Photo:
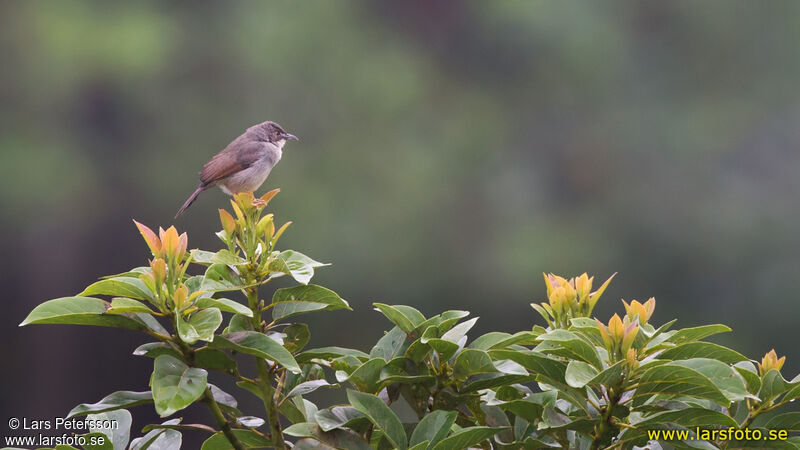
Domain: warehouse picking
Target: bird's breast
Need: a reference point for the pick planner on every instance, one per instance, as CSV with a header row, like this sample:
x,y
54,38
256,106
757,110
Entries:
x,y
251,178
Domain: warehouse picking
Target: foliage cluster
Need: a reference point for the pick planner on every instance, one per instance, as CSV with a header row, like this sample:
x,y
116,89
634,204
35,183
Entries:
x,y
576,383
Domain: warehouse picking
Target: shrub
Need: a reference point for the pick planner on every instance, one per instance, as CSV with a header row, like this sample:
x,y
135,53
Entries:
x,y
578,383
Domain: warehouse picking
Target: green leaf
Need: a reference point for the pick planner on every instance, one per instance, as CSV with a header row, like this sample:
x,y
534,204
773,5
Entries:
x,y
703,350
577,346
450,318
257,344
79,311
249,438
380,415
417,351
405,317
221,257
445,349
467,437
213,359
531,407
488,340
119,287
689,417
793,393
434,427
297,409
510,367
579,373
225,401
200,326
220,277
793,443
749,372
297,337
154,349
458,332
149,322
307,387
338,417
303,429
497,340
175,385
159,439
554,419
610,376
288,302
391,345
325,353
401,370
772,385
471,362
250,421
365,377
301,267
542,312
443,321
696,333
787,421
535,362
725,378
188,426
224,304
493,380
319,439
121,305
497,418
118,435
96,441
238,322
117,400
675,379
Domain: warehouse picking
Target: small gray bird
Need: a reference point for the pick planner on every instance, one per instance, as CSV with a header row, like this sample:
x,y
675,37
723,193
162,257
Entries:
x,y
245,163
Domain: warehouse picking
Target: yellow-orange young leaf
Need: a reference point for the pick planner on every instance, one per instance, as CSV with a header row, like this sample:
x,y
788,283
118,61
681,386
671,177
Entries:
x,y
159,268
268,196
150,238
583,285
771,361
170,242
227,221
280,231
604,334
615,328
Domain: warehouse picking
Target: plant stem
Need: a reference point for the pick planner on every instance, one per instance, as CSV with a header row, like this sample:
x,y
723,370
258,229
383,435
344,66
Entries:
x,y
267,395
606,427
264,380
220,418
208,398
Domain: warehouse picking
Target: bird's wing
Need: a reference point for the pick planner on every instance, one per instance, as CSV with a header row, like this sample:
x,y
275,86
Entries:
x,y
236,157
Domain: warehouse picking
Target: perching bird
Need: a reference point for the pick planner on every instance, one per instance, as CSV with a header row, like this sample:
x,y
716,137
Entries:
x,y
245,163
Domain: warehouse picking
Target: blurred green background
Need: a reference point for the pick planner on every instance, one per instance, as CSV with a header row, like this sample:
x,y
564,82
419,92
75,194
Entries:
x,y
450,153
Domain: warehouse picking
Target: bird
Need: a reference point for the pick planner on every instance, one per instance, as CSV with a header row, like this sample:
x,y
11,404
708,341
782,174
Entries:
x,y
245,163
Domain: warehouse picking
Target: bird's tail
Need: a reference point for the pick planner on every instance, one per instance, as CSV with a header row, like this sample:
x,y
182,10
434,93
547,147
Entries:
x,y
190,200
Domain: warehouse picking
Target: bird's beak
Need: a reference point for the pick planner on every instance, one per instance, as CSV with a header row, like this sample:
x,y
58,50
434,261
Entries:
x,y
288,136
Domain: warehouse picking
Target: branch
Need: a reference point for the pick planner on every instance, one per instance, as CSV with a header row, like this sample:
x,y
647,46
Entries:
x,y
220,418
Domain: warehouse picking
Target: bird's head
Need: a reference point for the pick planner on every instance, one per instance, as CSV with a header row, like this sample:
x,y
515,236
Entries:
x,y
271,132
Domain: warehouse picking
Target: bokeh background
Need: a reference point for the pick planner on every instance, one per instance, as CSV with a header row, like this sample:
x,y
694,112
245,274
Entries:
x,y
450,153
